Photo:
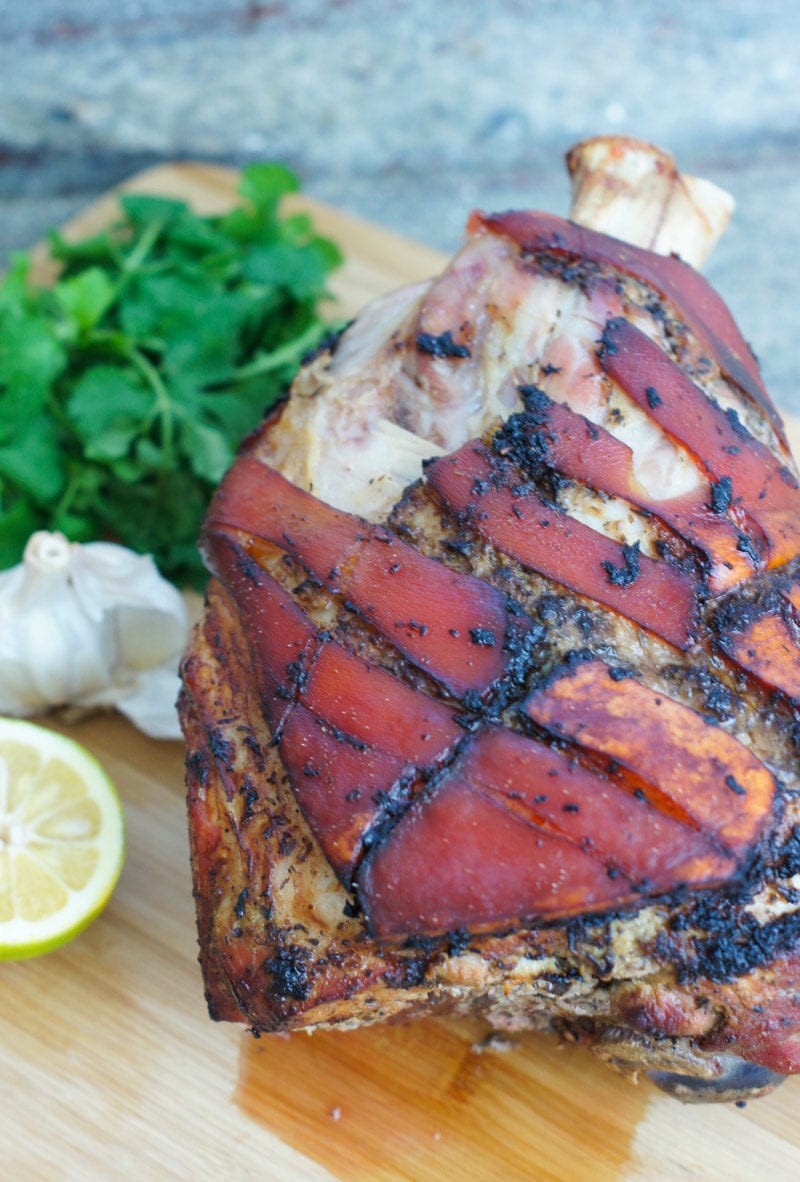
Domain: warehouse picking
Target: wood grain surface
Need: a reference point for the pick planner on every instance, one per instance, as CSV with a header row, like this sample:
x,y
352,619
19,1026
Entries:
x,y
111,1069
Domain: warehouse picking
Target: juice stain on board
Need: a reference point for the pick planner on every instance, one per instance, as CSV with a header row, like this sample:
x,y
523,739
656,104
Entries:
x,y
419,1102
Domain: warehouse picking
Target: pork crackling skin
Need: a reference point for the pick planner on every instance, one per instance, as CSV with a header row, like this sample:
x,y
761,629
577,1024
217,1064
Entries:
x,y
493,705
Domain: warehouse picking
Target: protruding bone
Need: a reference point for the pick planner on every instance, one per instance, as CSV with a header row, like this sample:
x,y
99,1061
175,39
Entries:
x,y
632,190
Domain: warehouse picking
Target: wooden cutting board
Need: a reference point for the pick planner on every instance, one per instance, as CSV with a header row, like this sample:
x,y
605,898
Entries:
x,y
111,1068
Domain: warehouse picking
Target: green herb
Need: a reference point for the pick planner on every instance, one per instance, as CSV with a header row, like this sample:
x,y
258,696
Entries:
x,y
126,387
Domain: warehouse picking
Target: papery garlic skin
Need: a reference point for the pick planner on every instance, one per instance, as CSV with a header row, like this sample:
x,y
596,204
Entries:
x,y
87,625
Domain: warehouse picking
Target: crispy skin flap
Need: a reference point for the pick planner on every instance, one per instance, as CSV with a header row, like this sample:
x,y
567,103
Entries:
x,y
692,296
694,770
500,505
569,443
360,744
451,625
517,831
746,474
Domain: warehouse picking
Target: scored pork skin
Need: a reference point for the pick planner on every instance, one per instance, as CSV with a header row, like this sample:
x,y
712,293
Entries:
x,y
571,591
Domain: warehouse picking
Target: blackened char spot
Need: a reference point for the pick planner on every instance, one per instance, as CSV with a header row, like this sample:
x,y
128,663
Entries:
x,y
790,854
197,766
736,423
327,343
249,567
525,439
721,494
286,843
623,576
408,974
482,636
745,545
440,345
222,749
536,402
289,969
608,344
249,793
457,941
787,476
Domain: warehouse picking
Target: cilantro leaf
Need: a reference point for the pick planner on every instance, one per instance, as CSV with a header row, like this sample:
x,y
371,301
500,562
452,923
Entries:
x,y
206,448
32,460
107,407
85,297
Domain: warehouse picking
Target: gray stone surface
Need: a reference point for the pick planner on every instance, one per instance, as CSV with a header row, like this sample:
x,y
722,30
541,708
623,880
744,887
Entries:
x,y
411,113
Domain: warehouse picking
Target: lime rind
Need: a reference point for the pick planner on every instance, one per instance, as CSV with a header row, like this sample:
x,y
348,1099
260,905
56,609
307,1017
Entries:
x,y
28,935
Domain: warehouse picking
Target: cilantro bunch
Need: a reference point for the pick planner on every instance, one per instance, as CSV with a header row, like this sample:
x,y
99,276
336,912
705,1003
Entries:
x,y
126,386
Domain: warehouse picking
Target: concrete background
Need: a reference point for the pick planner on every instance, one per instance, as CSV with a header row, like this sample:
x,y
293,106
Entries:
x,y
411,113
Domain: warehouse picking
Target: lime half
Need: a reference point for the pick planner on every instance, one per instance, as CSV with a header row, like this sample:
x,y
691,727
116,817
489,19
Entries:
x,y
62,839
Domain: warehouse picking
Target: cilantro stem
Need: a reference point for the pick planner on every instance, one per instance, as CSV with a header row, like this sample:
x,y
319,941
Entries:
x,y
67,497
133,261
164,405
164,409
130,263
284,355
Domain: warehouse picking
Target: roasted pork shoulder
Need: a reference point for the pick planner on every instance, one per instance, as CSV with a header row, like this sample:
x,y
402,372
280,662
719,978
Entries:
x,y
493,705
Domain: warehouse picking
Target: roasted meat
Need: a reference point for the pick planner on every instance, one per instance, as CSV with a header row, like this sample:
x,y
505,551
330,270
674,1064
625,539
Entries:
x,y
493,704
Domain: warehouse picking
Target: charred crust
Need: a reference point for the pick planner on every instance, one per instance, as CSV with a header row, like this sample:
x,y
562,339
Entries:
x,y
197,767
721,494
584,272
409,973
746,545
733,943
623,576
736,423
289,970
440,345
735,786
221,748
249,793
764,595
457,941
249,567
720,703
537,403
483,637
328,343
789,855
718,937
741,1081
524,441
608,341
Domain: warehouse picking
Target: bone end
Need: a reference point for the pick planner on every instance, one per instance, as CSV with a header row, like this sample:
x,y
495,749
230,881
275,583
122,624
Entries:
x,y
633,190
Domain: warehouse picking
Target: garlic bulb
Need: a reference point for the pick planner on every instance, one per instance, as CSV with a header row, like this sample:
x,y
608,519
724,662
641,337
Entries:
x,y
90,625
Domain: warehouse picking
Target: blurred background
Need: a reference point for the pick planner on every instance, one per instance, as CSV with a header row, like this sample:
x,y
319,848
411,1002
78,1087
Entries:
x,y
412,113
